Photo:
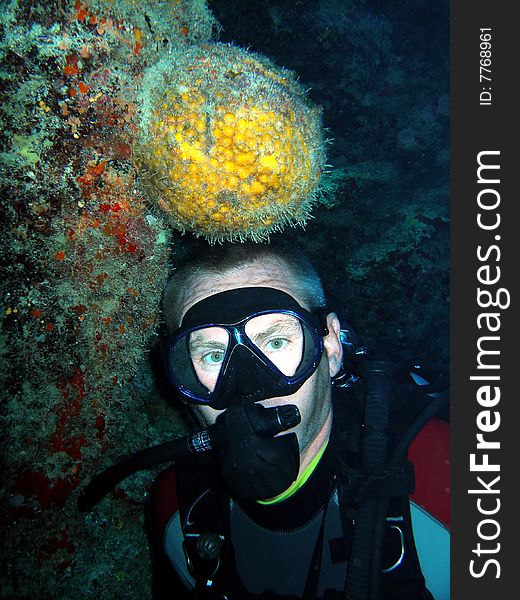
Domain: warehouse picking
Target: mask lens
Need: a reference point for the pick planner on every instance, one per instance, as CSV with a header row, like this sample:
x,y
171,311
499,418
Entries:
x,y
198,357
207,349
280,338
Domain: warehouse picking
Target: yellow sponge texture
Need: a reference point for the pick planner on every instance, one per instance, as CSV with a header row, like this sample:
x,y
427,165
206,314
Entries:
x,y
229,147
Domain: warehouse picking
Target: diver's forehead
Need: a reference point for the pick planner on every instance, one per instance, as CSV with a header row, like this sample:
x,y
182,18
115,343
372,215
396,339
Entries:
x,y
271,275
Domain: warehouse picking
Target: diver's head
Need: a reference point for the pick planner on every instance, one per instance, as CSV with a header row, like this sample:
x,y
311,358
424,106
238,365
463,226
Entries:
x,y
217,262
260,306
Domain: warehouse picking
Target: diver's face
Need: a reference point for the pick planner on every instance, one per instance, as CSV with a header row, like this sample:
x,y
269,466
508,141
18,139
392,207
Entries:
x,y
313,399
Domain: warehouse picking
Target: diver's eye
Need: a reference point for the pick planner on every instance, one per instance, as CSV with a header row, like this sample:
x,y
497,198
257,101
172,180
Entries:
x,y
213,358
276,345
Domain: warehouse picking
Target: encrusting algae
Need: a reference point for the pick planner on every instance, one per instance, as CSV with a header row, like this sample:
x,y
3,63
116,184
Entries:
x,y
230,147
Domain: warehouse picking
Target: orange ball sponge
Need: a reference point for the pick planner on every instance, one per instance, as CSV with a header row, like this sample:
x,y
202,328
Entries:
x,y
230,147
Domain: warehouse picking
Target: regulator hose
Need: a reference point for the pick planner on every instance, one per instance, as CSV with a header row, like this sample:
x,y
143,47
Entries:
x,y
266,422
380,380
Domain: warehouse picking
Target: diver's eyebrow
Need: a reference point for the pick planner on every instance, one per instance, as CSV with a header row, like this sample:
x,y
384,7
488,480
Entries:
x,y
278,328
200,341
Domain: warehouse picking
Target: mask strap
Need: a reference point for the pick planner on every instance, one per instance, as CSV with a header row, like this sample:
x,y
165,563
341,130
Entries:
x,y
321,315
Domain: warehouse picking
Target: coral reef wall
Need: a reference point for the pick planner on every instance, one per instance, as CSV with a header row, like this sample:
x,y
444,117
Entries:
x,y
84,261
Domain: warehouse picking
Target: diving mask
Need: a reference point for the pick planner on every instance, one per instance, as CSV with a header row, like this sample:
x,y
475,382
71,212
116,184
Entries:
x,y
244,345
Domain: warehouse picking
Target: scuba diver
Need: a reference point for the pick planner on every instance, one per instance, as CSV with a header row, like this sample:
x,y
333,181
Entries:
x,y
298,485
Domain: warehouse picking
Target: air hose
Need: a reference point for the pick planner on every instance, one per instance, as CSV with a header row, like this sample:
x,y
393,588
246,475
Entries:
x,y
266,422
379,376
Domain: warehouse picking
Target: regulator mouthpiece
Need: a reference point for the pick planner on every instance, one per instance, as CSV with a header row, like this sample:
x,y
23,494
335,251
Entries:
x,y
265,422
256,465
